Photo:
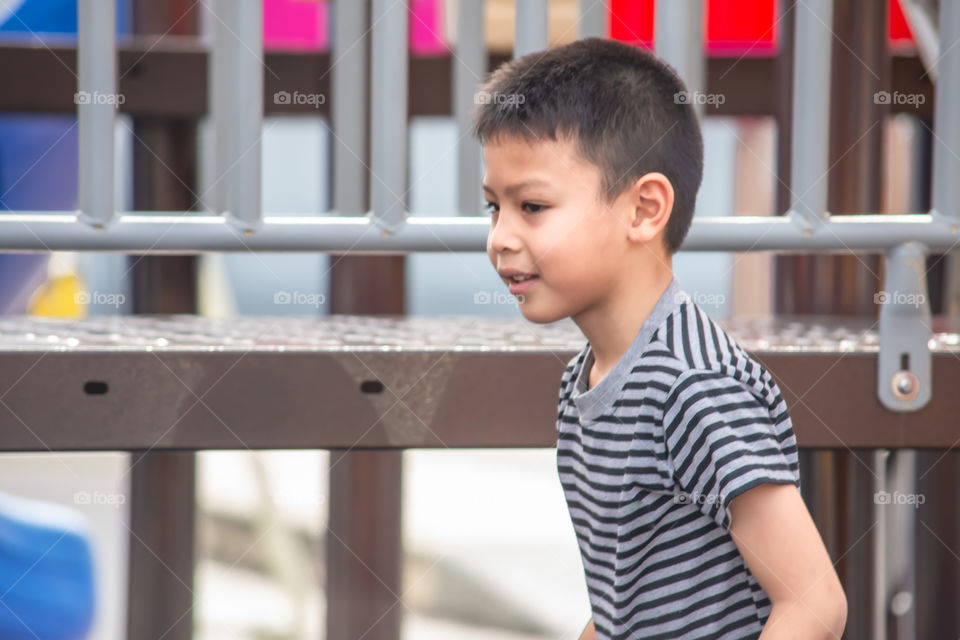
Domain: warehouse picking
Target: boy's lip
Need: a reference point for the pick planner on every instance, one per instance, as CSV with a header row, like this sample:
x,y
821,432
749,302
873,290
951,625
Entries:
x,y
512,273
507,275
519,288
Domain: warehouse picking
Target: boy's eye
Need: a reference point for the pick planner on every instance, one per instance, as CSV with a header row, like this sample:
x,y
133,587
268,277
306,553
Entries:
x,y
534,208
529,207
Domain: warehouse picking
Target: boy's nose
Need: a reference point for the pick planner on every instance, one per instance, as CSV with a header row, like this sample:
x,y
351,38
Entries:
x,y
503,235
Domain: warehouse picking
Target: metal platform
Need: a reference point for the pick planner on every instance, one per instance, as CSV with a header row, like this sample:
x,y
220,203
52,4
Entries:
x,y
187,382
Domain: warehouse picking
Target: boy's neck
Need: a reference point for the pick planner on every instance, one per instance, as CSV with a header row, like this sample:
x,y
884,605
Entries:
x,y
612,327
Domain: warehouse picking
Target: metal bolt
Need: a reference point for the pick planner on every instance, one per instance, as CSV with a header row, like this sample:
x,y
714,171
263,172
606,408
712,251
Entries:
x,y
901,603
905,385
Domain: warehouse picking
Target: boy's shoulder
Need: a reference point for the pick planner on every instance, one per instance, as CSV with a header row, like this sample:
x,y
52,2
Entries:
x,y
687,344
703,353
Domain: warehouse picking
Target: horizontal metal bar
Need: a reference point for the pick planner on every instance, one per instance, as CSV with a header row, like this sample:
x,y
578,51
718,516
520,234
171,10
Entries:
x,y
179,232
149,372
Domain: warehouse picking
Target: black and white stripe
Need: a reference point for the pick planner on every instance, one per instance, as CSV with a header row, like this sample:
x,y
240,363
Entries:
x,y
649,461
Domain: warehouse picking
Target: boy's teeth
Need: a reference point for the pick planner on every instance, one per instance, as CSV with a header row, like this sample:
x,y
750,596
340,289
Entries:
x,y
521,278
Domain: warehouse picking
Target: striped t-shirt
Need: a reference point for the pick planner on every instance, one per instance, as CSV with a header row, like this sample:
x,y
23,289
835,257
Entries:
x,y
649,460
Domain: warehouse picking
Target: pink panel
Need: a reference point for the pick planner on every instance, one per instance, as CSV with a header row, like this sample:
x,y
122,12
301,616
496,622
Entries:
x,y
295,24
427,28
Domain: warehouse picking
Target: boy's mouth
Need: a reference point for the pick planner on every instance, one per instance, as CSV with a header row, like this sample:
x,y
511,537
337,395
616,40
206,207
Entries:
x,y
522,284
513,275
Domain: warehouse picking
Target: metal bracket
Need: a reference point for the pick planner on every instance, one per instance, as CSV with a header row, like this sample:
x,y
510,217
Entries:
x,y
903,366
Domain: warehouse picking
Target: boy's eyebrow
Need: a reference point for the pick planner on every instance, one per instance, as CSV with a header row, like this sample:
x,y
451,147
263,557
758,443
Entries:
x,y
520,185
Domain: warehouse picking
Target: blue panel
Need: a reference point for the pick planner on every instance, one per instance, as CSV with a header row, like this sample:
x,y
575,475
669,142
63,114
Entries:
x,y
51,16
38,162
39,16
46,572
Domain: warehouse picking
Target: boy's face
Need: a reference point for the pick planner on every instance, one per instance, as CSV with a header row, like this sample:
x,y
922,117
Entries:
x,y
548,218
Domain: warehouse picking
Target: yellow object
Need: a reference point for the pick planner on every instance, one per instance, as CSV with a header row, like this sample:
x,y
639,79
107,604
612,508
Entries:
x,y
59,297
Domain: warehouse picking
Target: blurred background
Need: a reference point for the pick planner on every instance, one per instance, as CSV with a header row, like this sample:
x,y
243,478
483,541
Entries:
x,y
488,550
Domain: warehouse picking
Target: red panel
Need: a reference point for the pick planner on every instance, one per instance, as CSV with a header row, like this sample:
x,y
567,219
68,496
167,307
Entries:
x,y
631,21
741,27
733,27
900,35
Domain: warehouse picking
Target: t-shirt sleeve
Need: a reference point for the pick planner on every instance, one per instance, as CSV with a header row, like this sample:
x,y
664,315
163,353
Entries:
x,y
722,440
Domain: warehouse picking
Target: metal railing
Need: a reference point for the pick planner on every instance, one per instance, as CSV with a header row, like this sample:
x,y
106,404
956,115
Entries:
x,y
233,220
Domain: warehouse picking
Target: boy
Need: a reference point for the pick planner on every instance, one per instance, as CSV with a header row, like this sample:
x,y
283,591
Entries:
x,y
675,451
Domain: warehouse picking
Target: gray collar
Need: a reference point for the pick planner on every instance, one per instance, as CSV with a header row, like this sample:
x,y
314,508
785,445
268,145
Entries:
x,y
595,402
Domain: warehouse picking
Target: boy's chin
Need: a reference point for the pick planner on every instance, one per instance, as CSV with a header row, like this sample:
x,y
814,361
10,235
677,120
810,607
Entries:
x,y
539,316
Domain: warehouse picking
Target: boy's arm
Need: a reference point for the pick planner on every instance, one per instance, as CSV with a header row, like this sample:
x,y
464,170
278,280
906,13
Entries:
x,y
775,534
589,633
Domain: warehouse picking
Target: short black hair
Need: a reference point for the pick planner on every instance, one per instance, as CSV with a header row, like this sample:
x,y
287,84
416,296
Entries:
x,y
626,110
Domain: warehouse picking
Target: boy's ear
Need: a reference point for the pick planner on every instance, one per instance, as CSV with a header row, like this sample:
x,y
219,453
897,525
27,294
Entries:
x,y
651,200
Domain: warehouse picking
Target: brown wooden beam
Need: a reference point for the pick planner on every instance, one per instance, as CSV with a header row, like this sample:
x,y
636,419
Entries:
x,y
169,80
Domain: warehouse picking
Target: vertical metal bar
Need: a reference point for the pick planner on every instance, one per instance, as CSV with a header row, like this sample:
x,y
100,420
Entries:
x,y
936,612
160,596
842,81
470,66
805,284
904,364
679,41
901,557
388,93
348,110
881,513
946,142
364,572
530,26
946,188
593,19
246,89
96,99
859,71
787,284
823,284
811,112
365,540
222,112
857,539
